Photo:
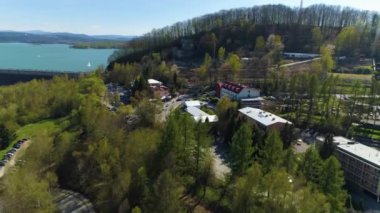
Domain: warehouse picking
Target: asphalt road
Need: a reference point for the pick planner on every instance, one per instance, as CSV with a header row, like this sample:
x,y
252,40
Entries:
x,y
299,62
169,107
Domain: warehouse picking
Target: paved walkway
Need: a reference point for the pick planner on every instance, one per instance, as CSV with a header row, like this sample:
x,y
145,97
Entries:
x,y
300,62
168,107
221,167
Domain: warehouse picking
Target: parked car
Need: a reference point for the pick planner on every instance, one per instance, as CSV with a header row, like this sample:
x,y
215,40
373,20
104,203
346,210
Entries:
x,y
299,142
22,141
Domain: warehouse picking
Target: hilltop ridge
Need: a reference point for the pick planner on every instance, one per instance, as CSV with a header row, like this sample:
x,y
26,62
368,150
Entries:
x,y
238,28
42,37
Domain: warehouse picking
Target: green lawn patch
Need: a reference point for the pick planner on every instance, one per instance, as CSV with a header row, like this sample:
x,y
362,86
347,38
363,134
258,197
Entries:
x,y
371,133
349,76
29,131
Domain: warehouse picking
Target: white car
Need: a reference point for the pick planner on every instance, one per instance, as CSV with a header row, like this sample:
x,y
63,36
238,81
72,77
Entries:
x,y
299,142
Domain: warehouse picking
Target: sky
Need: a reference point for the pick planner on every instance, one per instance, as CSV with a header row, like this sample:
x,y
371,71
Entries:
x,y
127,17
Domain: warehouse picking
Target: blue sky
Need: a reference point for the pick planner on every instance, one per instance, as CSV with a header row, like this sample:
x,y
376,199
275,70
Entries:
x,y
126,17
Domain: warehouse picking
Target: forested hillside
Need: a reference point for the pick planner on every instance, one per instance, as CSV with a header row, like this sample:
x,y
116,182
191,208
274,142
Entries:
x,y
240,27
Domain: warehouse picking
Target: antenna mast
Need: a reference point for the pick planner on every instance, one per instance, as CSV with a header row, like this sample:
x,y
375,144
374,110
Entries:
x,y
300,13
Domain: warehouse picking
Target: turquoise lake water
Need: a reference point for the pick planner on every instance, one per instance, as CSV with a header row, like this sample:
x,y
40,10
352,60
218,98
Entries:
x,y
51,57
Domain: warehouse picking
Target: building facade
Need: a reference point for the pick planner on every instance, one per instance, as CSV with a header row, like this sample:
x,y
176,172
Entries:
x,y
154,83
201,116
236,91
361,166
252,102
304,56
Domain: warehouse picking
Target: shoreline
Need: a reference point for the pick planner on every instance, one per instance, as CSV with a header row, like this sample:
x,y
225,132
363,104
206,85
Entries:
x,y
41,72
9,76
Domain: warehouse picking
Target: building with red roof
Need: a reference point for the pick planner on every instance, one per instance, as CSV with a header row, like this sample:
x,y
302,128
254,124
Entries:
x,y
235,91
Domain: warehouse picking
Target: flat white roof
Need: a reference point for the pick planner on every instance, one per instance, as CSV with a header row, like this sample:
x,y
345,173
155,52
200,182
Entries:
x,y
302,54
153,81
367,153
199,115
342,140
192,103
337,140
253,99
263,117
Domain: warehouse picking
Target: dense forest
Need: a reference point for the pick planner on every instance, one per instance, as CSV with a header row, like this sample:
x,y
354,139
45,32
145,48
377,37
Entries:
x,y
238,27
78,144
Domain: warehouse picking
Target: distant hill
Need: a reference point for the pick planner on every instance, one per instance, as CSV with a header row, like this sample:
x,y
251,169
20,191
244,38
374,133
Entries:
x,y
237,30
42,37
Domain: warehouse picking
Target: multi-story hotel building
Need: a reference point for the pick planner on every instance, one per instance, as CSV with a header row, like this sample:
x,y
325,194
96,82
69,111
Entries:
x,y
361,166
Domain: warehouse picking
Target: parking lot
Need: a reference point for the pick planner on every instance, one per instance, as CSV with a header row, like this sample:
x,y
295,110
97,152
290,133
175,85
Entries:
x,y
10,157
169,107
300,146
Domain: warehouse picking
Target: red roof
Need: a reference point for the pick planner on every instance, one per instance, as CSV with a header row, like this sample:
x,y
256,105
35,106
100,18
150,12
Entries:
x,y
236,88
219,84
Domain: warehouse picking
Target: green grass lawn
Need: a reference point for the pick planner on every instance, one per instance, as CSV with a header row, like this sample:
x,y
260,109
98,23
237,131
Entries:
x,y
31,130
348,76
372,133
347,88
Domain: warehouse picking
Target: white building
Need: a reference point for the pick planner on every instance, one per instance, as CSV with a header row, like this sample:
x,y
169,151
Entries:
x,y
301,55
361,166
252,102
154,83
196,104
236,91
337,140
264,119
199,115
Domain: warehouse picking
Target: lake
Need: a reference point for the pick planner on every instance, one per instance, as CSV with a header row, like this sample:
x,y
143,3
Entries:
x,y
51,57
